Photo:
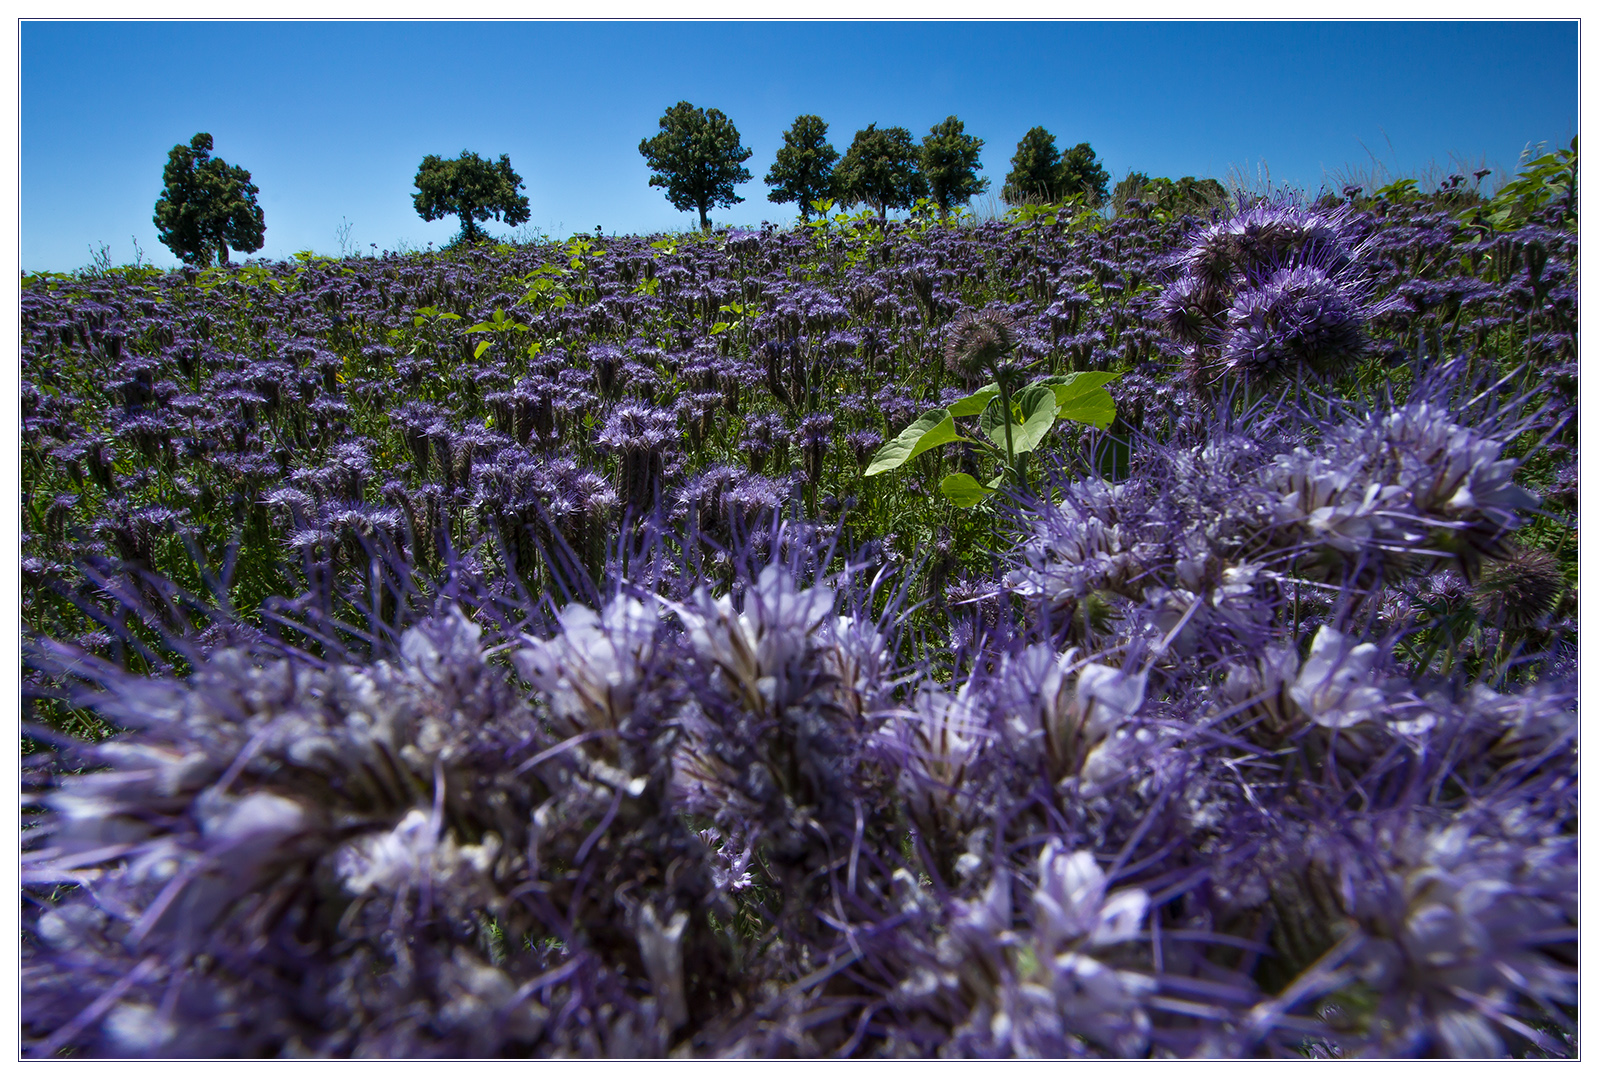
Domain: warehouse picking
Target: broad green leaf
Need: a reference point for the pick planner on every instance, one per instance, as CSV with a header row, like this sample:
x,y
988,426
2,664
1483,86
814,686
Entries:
x,y
1080,397
718,328
964,490
1037,405
974,403
482,347
1096,409
1032,413
932,428
450,315
481,328
991,424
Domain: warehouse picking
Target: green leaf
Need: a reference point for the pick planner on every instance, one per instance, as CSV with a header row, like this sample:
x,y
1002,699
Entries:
x,y
718,328
964,490
1096,409
932,428
1032,413
1037,406
481,328
1080,397
450,315
974,403
482,347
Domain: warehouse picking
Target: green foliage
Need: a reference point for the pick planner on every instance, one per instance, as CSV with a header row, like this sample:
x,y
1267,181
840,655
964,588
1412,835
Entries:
x,y
697,158
932,428
471,187
950,164
1545,181
882,169
1168,200
207,205
803,171
1072,211
965,491
1040,173
1082,174
1034,175
1014,425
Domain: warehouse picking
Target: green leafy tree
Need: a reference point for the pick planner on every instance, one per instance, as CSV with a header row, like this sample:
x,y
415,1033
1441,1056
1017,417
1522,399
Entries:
x,y
1082,174
882,169
950,164
697,158
471,187
207,205
803,172
1034,170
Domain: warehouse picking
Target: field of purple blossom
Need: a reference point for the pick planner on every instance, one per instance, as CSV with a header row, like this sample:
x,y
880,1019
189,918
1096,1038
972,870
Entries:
x,y
528,651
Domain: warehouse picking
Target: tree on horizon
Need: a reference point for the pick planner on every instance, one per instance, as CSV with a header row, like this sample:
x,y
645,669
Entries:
x,y
697,158
803,171
882,169
950,164
207,205
471,187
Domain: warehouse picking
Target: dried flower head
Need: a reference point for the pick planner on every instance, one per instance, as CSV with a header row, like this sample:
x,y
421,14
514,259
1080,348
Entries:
x,y
1517,592
978,340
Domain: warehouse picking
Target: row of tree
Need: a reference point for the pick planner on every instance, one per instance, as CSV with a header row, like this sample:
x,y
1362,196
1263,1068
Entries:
x,y
208,206
698,158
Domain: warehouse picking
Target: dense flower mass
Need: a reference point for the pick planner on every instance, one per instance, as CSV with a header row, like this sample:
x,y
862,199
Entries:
x,y
502,651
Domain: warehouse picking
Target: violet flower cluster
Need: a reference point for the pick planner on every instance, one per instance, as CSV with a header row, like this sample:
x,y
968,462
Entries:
x,y
552,698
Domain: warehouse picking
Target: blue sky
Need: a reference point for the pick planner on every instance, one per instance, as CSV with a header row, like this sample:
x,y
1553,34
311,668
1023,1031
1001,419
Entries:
x,y
333,118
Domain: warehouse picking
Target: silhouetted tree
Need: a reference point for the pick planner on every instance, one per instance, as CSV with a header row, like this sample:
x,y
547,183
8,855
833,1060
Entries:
x,y
207,205
471,187
803,172
950,164
882,169
697,159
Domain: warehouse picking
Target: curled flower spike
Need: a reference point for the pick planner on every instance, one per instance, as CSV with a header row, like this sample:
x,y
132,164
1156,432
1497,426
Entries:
x,y
592,670
1335,686
755,649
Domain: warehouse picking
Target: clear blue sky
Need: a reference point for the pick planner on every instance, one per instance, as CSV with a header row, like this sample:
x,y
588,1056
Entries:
x,y
332,118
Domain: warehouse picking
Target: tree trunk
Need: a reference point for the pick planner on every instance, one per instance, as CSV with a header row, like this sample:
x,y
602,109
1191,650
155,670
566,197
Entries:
x,y
222,253
705,219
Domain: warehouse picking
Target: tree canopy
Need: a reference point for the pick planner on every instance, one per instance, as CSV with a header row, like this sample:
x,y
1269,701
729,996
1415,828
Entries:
x,y
1034,170
207,205
471,187
803,172
1082,174
697,158
950,164
882,169
1041,173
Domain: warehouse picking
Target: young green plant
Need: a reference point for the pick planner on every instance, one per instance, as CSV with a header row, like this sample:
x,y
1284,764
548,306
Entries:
x,y
1013,419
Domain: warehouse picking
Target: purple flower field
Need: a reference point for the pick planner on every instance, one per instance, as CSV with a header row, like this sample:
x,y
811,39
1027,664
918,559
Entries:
x,y
514,651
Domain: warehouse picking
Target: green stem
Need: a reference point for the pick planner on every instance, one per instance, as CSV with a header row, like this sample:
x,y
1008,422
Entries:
x,y
1004,402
